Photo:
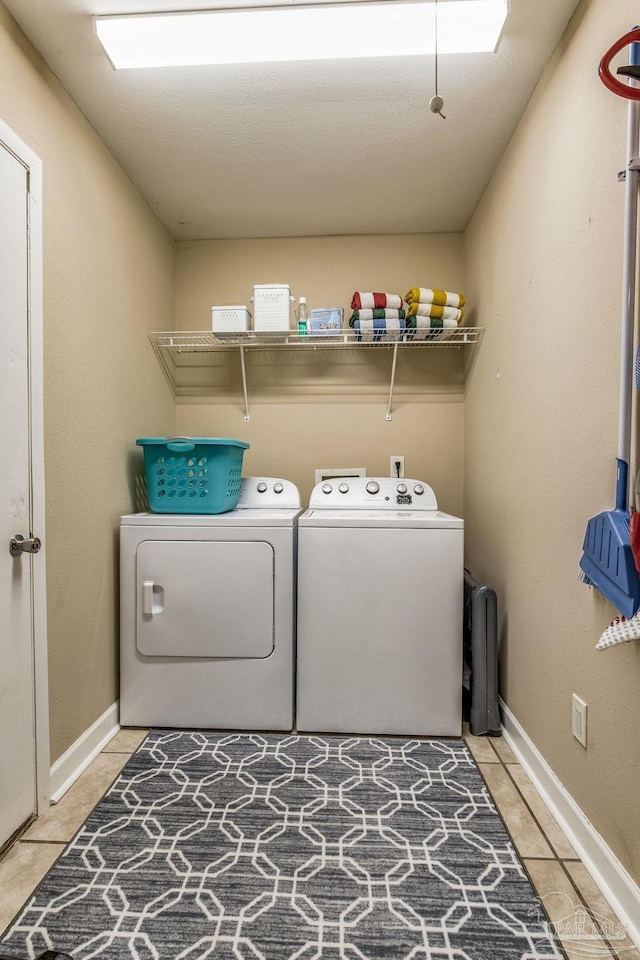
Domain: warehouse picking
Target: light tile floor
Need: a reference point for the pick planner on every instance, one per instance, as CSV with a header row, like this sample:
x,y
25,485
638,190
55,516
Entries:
x,y
560,879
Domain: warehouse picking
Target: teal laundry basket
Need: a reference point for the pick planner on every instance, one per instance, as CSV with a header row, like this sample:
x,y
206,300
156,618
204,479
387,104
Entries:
x,y
192,474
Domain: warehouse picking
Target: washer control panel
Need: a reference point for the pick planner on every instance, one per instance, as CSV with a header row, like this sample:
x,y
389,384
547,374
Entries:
x,y
370,493
268,492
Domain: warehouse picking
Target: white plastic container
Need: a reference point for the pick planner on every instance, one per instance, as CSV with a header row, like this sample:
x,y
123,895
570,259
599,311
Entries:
x,y
230,319
272,306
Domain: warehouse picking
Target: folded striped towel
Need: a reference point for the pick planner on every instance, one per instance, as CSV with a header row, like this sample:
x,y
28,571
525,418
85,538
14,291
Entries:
x,y
434,310
429,328
441,297
380,313
369,301
379,328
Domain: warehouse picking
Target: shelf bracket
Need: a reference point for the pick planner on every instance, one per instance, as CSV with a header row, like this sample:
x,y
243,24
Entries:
x,y
244,384
393,378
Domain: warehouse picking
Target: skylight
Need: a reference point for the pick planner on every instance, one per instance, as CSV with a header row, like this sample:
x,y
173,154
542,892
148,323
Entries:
x,y
318,31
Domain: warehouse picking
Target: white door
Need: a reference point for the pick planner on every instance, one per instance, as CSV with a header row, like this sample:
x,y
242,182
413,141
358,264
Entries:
x,y
19,795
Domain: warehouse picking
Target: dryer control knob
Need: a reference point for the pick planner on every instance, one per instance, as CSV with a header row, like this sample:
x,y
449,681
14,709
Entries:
x,y
401,488
326,488
418,489
278,487
373,486
262,487
344,488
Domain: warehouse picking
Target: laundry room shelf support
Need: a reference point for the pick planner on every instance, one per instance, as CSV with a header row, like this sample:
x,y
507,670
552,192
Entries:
x,y
244,384
393,378
187,358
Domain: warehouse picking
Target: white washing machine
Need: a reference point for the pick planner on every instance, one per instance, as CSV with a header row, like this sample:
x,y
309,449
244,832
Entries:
x,y
207,603
380,604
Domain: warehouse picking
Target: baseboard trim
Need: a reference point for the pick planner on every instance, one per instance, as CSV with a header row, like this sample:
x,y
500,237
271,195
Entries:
x,y
616,884
67,768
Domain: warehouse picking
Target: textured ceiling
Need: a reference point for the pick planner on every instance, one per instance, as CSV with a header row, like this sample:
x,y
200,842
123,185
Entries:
x,y
300,149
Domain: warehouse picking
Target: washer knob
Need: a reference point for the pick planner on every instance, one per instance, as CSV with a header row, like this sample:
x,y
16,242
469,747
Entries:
x,y
278,487
344,488
262,487
373,486
402,488
326,488
418,489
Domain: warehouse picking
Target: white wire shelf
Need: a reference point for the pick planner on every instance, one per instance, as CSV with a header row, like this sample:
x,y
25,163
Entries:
x,y
204,341
178,351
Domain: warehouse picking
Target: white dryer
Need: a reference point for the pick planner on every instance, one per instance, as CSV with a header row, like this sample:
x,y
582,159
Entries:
x,y
207,604
380,605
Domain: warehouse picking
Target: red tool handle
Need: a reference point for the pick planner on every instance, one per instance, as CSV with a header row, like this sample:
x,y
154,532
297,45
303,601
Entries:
x,y
612,83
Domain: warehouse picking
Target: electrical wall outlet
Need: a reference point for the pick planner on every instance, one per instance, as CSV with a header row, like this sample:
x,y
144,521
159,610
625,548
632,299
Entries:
x,y
396,466
579,719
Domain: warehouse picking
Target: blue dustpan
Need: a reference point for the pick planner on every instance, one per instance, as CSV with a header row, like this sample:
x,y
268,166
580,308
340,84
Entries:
x,y
607,561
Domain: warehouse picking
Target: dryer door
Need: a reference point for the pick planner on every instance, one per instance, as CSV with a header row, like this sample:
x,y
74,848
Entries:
x,y
201,598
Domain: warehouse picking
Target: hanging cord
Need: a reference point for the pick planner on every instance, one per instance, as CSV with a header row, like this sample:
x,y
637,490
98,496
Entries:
x,y
436,103
435,32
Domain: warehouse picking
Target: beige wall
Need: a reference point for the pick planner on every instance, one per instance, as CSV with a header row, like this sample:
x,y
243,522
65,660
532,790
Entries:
x,y
543,268
108,278
328,409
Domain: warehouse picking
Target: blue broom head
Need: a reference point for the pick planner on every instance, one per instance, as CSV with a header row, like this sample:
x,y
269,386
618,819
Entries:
x,y
607,561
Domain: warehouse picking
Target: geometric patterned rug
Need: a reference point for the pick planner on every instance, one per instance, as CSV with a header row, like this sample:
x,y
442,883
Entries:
x,y
282,847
